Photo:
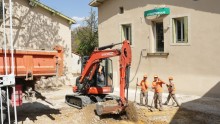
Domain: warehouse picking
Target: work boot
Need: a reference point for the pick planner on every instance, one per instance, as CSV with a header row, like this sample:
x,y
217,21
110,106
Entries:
x,y
161,109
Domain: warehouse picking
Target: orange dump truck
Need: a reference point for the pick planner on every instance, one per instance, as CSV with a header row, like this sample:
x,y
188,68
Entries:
x,y
30,65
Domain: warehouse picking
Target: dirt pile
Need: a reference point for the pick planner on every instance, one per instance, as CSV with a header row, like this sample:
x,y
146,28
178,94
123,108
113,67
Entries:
x,y
131,112
88,115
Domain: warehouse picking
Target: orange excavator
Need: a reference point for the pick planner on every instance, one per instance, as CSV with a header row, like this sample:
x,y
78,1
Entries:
x,y
89,89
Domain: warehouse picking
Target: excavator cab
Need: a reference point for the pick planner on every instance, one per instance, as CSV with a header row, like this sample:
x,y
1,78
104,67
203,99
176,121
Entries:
x,y
93,90
107,73
95,82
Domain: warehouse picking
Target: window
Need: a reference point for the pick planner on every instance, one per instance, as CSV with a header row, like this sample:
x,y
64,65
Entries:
x,y
180,30
126,33
159,36
121,10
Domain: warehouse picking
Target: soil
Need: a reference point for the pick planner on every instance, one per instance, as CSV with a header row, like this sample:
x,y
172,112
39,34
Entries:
x,y
131,112
53,110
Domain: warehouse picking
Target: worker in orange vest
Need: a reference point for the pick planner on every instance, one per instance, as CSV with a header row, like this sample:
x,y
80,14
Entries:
x,y
158,89
172,91
144,90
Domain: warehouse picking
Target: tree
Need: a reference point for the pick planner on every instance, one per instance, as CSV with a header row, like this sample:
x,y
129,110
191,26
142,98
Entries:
x,y
86,37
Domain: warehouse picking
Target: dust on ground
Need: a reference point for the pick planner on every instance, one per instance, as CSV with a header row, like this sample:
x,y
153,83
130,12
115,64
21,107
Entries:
x,y
53,110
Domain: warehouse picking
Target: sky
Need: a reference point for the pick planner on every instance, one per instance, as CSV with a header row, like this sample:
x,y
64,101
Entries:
x,y
76,9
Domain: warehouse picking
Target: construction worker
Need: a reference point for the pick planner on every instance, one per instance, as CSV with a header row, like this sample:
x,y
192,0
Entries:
x,y
100,75
172,92
158,89
144,90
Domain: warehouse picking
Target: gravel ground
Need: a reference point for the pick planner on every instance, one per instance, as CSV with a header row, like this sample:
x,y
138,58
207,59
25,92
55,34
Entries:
x,y
53,110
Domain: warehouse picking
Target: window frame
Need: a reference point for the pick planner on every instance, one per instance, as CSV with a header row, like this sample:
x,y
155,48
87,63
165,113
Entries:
x,y
173,41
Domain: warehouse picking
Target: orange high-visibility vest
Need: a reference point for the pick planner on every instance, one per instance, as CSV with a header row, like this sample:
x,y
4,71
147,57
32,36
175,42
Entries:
x,y
171,88
144,85
157,86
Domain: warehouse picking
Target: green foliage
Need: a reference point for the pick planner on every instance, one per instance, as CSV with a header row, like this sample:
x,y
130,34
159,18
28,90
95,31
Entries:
x,y
86,37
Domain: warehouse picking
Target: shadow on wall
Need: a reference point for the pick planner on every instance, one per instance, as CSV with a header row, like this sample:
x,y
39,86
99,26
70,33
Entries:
x,y
199,5
35,28
205,110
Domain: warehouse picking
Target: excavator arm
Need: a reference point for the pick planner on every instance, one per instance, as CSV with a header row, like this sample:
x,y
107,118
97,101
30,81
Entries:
x,y
125,63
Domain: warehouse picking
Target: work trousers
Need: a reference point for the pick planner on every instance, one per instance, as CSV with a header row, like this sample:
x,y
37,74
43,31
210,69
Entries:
x,y
173,96
142,96
158,97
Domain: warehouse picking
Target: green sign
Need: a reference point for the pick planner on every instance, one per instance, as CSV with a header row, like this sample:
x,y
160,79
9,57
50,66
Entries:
x,y
157,11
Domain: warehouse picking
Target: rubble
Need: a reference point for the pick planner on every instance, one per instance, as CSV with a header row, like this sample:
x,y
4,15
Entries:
x,y
54,82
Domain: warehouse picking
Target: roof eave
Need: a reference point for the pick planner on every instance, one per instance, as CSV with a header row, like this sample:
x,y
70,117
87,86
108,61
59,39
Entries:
x,y
96,3
71,21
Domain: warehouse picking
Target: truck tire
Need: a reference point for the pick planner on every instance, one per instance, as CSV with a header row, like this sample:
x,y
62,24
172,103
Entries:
x,y
4,106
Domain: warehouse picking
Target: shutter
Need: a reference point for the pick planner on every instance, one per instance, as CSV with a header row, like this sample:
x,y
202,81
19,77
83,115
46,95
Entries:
x,y
186,29
174,30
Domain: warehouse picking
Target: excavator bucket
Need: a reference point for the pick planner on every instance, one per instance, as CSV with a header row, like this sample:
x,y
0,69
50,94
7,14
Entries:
x,y
115,108
109,107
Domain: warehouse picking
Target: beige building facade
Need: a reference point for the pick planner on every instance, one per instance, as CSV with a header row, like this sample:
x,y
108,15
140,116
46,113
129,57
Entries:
x,y
178,38
37,26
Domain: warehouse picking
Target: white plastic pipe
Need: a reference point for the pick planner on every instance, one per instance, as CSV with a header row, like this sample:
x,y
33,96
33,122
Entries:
x,y
11,38
8,105
15,107
4,38
12,59
1,106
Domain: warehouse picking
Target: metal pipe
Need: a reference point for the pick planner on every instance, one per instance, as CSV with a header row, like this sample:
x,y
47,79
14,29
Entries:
x,y
4,38
12,60
108,46
15,107
1,106
11,38
5,47
8,105
127,76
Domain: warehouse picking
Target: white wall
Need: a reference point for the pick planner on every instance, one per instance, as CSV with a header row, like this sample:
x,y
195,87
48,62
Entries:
x,y
75,64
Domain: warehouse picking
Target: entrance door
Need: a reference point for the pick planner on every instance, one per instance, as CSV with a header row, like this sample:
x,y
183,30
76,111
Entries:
x,y
159,35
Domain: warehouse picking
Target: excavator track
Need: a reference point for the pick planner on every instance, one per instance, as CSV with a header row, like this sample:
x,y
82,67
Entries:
x,y
77,100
